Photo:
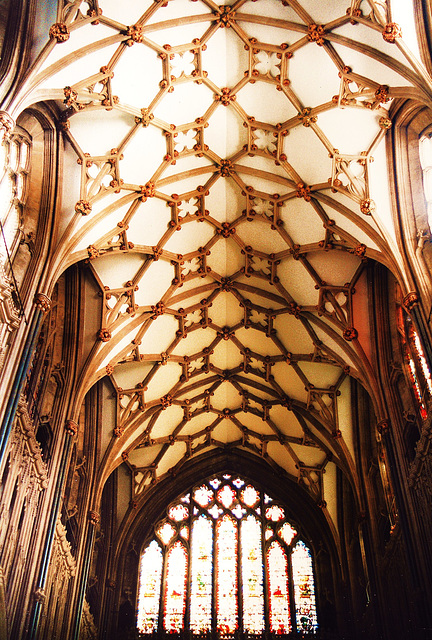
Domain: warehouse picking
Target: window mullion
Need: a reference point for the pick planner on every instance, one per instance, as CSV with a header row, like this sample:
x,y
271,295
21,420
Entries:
x,y
188,543
265,568
214,585
293,612
163,589
239,576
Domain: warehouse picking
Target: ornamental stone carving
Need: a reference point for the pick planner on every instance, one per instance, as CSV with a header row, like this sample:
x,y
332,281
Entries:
x,y
59,31
42,302
9,314
83,207
350,333
392,31
71,427
93,517
367,206
410,300
104,335
7,124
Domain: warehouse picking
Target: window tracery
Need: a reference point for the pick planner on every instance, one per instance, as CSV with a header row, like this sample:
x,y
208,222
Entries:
x,y
226,559
425,150
15,161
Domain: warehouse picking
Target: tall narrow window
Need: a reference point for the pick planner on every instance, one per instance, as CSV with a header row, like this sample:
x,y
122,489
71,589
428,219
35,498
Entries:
x,y
417,366
225,559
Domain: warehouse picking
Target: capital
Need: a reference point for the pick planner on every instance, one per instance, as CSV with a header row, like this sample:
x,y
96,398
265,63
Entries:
x,y
383,427
71,427
42,302
410,300
40,595
93,517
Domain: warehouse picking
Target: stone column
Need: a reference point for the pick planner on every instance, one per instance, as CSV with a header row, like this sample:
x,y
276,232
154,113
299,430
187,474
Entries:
x,y
71,429
93,517
43,305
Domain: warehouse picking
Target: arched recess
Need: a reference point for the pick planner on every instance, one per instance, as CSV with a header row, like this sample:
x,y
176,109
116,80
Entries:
x,y
300,509
37,125
410,120
404,437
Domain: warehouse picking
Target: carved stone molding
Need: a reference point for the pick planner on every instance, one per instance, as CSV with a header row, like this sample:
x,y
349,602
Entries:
x,y
422,452
63,550
9,314
88,628
25,446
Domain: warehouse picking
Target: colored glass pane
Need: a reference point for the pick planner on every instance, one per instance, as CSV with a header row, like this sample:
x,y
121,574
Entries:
x,y
268,532
416,386
220,555
226,574
287,533
277,571
165,532
226,496
422,361
201,575
252,575
175,588
275,513
178,512
149,588
250,496
238,511
215,511
203,496
304,589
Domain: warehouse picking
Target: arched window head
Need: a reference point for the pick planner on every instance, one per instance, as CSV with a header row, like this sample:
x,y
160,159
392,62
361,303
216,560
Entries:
x,y
226,559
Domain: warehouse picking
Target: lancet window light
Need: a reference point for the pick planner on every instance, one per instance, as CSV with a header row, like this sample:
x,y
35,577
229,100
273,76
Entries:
x,y
225,558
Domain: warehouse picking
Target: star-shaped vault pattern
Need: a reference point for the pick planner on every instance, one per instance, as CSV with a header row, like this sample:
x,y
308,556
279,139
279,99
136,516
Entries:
x,y
221,194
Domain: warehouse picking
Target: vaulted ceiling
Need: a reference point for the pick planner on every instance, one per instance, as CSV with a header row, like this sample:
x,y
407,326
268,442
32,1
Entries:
x,y
225,178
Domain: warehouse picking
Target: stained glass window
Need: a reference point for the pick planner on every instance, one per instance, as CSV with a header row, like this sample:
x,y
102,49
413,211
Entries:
x,y
252,575
304,588
149,588
226,574
175,588
201,574
277,568
225,559
417,367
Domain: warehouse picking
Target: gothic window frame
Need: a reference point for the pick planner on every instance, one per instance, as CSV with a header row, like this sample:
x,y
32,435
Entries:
x,y
415,363
216,511
16,150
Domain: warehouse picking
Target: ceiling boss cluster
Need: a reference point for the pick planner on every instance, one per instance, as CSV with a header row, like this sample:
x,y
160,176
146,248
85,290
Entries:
x,y
227,205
